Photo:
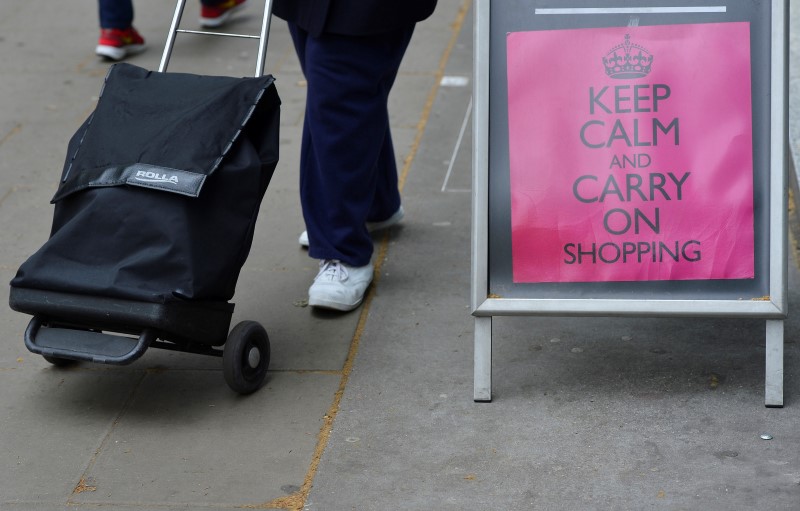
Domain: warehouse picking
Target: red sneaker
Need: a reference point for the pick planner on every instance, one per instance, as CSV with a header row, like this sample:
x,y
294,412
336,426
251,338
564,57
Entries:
x,y
116,44
212,16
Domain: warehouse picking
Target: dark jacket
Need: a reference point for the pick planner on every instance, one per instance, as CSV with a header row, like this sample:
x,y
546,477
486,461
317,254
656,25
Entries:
x,y
352,17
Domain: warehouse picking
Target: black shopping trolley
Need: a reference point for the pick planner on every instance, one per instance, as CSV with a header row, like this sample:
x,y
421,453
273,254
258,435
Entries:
x,y
153,219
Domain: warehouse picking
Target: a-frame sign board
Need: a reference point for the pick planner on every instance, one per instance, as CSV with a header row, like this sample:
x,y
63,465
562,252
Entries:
x,y
630,159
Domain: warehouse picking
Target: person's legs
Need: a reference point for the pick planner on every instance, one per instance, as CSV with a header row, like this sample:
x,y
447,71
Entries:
x,y
348,172
118,38
387,194
115,13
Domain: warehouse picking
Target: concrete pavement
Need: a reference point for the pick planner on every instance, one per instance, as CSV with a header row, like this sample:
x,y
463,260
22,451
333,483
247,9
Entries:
x,y
370,410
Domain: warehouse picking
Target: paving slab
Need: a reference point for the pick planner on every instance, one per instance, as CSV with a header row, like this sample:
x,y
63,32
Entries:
x,y
52,424
221,451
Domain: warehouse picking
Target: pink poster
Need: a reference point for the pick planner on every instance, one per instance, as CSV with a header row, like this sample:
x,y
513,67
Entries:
x,y
631,153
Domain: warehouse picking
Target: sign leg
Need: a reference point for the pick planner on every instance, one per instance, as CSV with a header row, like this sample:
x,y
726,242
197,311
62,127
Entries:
x,y
483,359
774,369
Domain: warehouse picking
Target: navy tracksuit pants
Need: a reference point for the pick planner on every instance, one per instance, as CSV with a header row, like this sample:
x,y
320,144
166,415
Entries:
x,y
348,173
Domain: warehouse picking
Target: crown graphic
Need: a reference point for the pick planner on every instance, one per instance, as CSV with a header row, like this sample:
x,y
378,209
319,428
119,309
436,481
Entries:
x,y
627,60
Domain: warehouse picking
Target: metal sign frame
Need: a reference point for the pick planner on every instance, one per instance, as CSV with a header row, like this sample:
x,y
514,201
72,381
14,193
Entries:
x,y
773,307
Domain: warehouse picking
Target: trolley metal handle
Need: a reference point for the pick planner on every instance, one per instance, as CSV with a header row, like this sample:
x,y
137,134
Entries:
x,y
175,29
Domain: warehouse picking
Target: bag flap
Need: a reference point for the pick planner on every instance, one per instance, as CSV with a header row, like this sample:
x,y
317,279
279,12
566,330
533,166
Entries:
x,y
165,131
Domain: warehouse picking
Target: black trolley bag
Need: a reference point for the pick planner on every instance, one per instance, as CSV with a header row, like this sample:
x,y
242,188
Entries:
x,y
154,217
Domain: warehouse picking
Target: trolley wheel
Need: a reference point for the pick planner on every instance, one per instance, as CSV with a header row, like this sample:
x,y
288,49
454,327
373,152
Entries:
x,y
245,357
60,362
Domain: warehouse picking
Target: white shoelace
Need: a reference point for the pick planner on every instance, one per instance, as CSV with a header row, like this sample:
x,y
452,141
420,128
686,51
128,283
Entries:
x,y
331,270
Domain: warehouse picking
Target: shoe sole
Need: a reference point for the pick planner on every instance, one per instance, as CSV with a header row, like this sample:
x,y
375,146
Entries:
x,y
371,226
222,19
115,53
325,304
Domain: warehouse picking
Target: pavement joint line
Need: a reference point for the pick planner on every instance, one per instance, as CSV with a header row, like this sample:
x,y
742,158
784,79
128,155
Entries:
x,y
83,67
13,131
158,370
82,484
103,504
331,372
9,191
297,500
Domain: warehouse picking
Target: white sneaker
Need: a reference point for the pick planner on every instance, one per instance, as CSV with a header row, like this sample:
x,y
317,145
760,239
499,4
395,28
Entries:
x,y
371,226
339,286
